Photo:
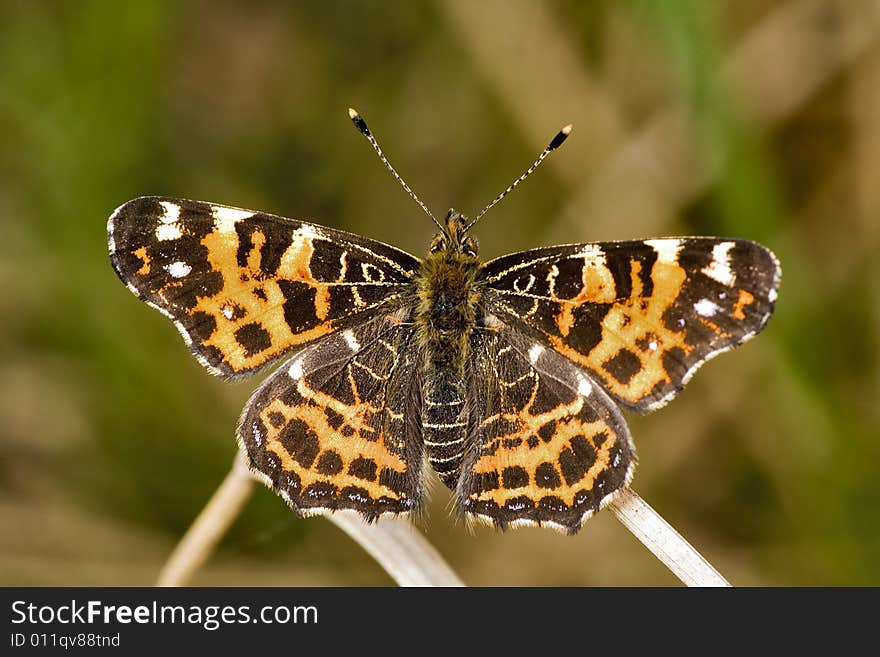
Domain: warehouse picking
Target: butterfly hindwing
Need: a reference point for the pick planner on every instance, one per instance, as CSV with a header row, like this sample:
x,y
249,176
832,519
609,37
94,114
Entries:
x,y
641,317
332,430
549,447
246,287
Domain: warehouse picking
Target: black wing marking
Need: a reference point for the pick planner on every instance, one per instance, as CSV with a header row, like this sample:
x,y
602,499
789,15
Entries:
x,y
244,288
641,317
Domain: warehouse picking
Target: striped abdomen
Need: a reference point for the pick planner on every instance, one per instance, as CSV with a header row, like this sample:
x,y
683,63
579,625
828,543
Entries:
x,y
444,426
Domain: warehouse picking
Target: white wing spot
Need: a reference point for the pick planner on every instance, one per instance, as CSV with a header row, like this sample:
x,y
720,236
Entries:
x,y
306,231
227,312
226,218
257,434
591,252
535,352
172,212
584,387
771,295
169,229
667,250
351,341
296,369
178,269
719,269
706,308
652,345
165,232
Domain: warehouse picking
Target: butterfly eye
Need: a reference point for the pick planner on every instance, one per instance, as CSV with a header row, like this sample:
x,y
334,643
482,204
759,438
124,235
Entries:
x,y
438,243
470,247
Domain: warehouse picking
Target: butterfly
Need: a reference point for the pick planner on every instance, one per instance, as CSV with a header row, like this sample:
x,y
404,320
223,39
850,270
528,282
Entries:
x,y
506,377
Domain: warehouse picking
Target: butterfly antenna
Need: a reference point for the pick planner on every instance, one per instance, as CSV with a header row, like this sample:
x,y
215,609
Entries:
x,y
555,143
361,125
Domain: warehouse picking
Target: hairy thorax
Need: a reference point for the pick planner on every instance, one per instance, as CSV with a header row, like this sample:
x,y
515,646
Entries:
x,y
449,299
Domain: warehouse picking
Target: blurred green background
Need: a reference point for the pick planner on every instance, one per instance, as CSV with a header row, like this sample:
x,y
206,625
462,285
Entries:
x,y
749,118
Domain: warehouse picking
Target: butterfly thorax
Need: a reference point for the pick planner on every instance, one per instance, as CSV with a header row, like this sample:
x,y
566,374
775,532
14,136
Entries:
x,y
449,301
448,297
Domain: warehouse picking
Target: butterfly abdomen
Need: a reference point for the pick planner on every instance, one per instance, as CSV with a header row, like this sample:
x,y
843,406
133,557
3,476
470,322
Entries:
x,y
444,425
448,301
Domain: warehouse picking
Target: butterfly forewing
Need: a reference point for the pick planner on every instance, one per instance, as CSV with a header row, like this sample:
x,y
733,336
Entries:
x,y
640,317
330,430
246,287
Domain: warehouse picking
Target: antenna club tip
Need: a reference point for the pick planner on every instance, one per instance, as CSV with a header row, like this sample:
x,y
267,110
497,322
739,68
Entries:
x,y
359,123
560,137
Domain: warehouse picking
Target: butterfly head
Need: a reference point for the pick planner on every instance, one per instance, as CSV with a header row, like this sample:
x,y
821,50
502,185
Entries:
x,y
455,236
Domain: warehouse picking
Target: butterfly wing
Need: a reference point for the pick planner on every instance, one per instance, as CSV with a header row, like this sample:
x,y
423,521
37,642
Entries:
x,y
246,287
640,317
333,428
549,446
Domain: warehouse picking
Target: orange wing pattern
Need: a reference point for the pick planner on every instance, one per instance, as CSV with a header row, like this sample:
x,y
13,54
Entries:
x,y
640,317
329,430
549,447
245,287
